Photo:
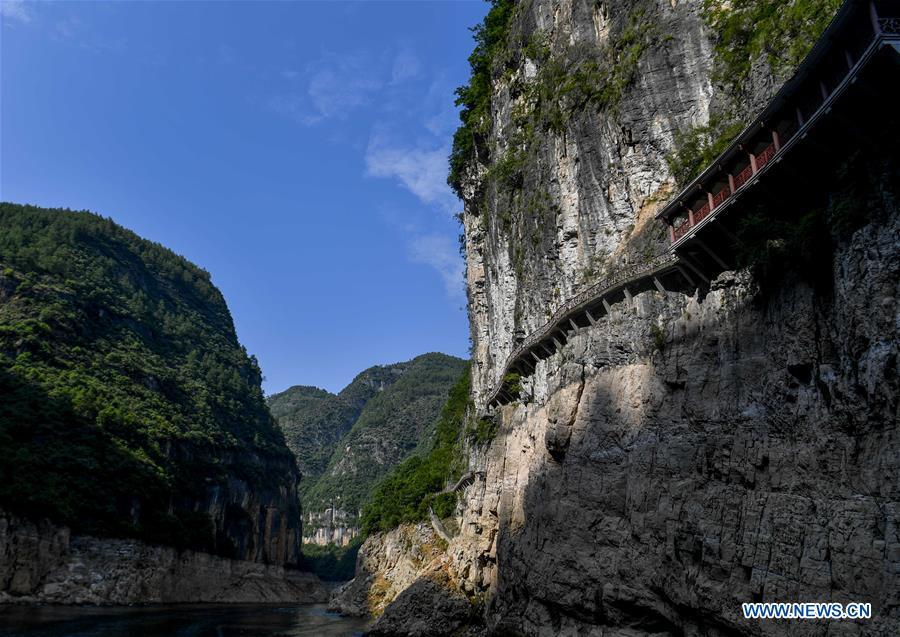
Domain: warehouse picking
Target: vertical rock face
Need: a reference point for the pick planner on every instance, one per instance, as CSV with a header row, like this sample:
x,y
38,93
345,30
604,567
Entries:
x,y
590,188
689,453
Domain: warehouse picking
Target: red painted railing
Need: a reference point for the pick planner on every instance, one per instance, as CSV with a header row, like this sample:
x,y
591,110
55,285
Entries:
x,y
721,196
763,158
700,214
743,177
681,230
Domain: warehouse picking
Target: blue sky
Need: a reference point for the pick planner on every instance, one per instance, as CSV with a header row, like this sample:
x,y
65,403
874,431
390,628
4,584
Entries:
x,y
296,150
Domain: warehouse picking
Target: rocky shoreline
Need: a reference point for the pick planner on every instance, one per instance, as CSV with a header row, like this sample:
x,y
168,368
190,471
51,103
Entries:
x,y
44,563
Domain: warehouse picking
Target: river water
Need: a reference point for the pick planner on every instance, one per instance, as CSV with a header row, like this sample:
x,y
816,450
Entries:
x,y
176,621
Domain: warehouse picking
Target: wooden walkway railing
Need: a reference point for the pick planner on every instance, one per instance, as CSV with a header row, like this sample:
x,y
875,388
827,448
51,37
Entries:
x,y
578,305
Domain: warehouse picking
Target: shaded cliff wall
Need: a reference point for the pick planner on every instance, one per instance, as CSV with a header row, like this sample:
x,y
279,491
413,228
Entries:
x,y
41,562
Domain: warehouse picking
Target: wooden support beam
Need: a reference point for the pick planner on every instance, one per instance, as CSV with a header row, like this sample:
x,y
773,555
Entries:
x,y
606,306
693,267
709,251
574,325
659,285
686,276
628,299
556,342
547,350
590,318
537,359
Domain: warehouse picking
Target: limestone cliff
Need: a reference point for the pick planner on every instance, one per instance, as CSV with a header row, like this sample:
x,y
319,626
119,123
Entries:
x,y
688,453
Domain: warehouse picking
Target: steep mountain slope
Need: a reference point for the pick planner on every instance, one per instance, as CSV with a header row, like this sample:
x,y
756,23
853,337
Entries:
x,y
314,420
129,407
385,414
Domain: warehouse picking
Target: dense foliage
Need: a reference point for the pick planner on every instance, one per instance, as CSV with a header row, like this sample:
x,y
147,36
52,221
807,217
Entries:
x,y
415,485
314,421
126,395
390,427
475,97
782,31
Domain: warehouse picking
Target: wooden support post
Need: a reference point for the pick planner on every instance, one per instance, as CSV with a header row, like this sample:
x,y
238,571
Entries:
x,y
849,59
800,121
753,167
591,318
691,217
776,139
823,90
731,183
628,299
659,285
536,358
606,306
873,15
574,325
711,253
556,342
671,231
709,198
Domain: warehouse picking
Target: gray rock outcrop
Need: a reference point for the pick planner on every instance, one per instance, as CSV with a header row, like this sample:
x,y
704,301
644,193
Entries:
x,y
43,563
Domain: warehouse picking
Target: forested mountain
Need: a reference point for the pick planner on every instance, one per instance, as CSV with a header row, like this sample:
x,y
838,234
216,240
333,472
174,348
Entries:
x,y
314,420
348,441
129,407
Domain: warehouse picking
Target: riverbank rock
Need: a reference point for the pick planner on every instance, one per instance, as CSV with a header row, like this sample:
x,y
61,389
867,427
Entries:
x,y
388,563
43,563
